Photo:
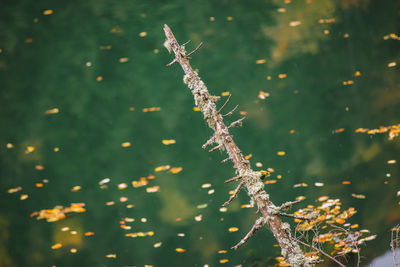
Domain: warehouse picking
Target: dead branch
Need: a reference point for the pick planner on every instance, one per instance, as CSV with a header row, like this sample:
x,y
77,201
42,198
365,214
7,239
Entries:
x,y
257,225
322,252
226,102
250,179
288,205
233,179
234,195
231,112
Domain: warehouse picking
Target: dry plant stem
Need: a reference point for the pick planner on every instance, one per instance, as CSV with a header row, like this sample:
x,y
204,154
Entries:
x,y
257,225
250,179
322,252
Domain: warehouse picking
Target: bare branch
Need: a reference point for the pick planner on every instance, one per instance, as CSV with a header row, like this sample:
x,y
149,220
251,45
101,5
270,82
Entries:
x,y
231,112
209,142
225,160
288,205
236,123
215,148
237,190
322,252
257,225
186,43
233,179
295,216
197,48
172,62
226,102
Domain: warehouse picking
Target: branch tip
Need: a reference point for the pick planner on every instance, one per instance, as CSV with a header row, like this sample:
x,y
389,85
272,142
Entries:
x,y
236,123
257,225
197,48
233,179
231,112
237,190
215,148
226,102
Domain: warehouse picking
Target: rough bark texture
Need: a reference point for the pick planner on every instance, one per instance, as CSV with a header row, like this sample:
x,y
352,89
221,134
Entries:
x,y
247,178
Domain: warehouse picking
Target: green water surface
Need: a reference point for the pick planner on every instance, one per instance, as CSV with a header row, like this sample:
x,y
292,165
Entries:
x,y
312,49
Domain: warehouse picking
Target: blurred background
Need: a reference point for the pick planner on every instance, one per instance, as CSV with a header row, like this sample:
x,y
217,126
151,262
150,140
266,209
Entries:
x,y
86,102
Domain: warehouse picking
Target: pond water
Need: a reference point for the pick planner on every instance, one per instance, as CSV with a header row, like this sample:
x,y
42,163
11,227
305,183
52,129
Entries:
x,y
85,95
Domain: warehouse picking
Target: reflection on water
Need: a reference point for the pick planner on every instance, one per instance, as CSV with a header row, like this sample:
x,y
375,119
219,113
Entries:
x,y
85,96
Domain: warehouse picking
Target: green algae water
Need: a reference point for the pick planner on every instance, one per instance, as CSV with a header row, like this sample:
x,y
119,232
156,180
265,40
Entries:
x,y
86,102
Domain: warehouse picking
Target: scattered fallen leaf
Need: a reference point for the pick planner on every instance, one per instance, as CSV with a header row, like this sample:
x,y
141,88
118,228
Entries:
x,y
48,12
233,229
152,189
76,188
226,93
122,186
261,61
162,168
202,206
263,95
168,142
359,196
14,190
56,246
294,23
152,109
52,111
175,170
88,234
126,144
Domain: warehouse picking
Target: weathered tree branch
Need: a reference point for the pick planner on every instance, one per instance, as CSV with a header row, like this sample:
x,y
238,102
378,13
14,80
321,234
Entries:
x,y
250,179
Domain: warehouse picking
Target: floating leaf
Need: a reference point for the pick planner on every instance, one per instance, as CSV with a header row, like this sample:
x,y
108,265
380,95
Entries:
x,y
202,206
48,12
359,196
152,109
180,250
233,229
76,188
162,168
263,95
152,189
14,190
175,170
261,61
126,144
168,142
226,93
52,111
56,246
205,185
88,234
157,245
122,186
